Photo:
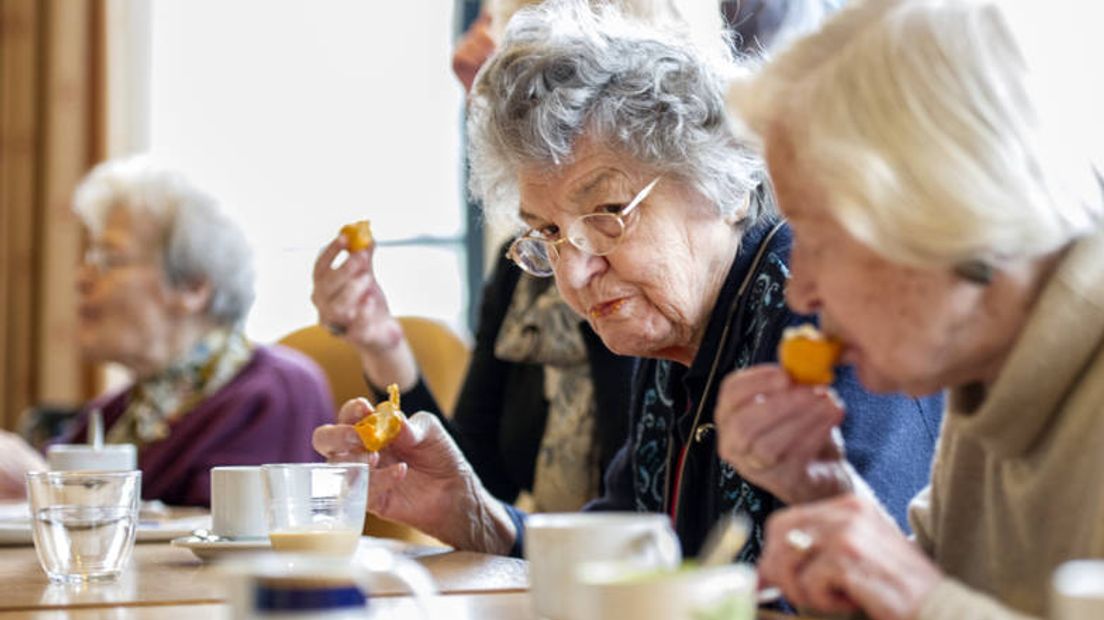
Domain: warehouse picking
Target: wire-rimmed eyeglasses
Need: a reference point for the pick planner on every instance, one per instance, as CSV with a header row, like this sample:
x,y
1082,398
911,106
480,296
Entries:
x,y
597,234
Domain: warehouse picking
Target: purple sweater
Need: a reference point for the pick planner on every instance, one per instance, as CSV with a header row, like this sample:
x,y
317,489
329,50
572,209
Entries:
x,y
265,414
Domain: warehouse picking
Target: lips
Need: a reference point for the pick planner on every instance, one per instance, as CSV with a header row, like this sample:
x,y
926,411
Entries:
x,y
606,308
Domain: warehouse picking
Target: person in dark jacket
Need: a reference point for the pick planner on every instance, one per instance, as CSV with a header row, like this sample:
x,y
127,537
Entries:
x,y
544,404
658,226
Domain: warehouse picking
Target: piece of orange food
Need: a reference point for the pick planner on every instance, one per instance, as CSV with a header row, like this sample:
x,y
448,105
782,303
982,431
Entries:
x,y
358,235
808,355
382,426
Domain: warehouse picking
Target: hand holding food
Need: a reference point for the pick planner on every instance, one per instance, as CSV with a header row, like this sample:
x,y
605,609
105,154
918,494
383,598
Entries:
x,y
382,426
352,304
358,236
780,435
808,355
422,479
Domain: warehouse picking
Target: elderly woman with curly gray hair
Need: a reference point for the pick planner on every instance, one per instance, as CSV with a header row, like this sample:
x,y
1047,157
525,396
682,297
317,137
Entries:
x,y
609,141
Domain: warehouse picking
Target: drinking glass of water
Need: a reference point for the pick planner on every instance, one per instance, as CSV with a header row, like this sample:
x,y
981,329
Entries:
x,y
84,522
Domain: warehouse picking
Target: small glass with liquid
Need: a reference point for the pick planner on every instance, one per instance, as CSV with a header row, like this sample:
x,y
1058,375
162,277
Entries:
x,y
316,507
84,522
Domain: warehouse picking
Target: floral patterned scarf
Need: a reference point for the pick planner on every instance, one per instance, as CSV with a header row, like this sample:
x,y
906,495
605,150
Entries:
x,y
158,401
539,328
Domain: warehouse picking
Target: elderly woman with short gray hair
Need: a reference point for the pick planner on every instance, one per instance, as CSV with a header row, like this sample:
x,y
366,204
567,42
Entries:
x,y
609,141
164,290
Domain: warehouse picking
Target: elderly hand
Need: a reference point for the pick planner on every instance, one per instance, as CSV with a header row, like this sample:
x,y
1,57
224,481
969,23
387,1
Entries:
x,y
351,303
17,458
842,554
781,436
422,479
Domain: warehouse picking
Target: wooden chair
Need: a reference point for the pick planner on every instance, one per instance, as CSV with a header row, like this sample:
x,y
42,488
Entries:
x,y
441,354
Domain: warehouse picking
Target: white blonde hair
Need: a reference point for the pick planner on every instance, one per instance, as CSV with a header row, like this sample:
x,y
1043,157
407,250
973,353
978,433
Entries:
x,y
199,242
942,131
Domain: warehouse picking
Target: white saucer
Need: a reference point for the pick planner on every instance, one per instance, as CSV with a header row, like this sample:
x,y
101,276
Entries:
x,y
215,549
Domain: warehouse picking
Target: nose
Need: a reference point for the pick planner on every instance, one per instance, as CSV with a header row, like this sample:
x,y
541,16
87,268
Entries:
x,y
86,278
575,268
801,291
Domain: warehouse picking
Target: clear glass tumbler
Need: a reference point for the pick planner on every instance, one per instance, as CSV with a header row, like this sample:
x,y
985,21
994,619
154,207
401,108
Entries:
x,y
316,507
84,522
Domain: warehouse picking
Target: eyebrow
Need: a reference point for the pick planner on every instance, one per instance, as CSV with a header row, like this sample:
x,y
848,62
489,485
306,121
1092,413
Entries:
x,y
528,217
603,179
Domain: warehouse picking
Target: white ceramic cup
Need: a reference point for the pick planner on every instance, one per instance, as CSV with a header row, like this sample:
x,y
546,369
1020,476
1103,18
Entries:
x,y
237,502
557,544
1077,591
610,590
83,457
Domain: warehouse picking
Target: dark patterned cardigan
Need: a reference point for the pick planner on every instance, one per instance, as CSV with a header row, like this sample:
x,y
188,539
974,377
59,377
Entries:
x,y
889,438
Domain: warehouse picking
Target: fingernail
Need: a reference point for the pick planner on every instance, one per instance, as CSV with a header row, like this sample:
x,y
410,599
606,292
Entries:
x,y
352,439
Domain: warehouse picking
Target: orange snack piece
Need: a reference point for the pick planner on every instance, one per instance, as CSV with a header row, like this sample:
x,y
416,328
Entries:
x,y
358,235
808,355
382,426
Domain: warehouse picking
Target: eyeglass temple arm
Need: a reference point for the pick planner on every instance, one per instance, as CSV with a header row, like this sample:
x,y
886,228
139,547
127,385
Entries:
x,y
639,198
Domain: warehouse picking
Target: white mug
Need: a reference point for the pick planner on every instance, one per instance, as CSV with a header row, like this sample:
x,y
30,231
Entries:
x,y
84,457
557,544
237,502
1077,591
612,590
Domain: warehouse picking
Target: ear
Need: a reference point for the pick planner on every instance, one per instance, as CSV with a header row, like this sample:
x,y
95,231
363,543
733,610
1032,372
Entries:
x,y
192,298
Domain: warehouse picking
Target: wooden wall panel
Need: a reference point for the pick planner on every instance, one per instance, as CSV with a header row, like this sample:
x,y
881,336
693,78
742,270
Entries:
x,y
19,152
49,123
67,147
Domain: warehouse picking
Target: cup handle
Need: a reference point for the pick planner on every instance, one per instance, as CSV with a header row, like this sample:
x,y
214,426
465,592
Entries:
x,y
660,545
372,563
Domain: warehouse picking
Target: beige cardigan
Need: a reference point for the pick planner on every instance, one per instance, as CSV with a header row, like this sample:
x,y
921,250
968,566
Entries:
x,y
1018,480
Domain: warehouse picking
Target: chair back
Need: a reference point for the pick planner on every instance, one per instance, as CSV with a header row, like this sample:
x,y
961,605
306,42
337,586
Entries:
x,y
441,354
442,357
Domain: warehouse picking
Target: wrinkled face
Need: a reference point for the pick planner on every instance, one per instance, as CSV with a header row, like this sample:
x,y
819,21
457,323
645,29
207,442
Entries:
x,y
903,328
652,296
126,308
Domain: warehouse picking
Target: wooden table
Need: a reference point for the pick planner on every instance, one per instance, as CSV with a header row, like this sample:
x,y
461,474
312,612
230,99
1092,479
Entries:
x,y
167,583
160,574
510,605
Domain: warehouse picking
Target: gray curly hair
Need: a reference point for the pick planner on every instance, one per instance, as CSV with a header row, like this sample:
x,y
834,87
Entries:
x,y
200,242
565,70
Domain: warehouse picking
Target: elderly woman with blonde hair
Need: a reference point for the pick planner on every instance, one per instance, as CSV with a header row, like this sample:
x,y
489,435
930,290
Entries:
x,y
934,159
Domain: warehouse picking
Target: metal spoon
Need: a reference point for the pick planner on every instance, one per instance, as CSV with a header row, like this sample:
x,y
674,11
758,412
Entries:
x,y
725,540
207,535
96,429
